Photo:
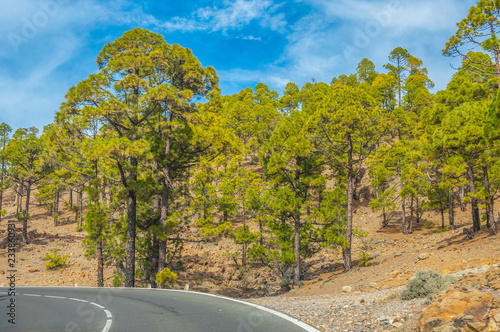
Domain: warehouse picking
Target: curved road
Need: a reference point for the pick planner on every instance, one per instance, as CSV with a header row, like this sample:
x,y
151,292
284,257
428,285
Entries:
x,y
135,309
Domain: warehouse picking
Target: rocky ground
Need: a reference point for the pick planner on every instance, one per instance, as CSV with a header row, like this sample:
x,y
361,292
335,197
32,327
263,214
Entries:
x,y
383,310
364,299
372,311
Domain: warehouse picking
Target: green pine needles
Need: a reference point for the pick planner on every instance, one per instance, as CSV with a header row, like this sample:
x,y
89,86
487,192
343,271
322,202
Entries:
x,y
166,278
55,261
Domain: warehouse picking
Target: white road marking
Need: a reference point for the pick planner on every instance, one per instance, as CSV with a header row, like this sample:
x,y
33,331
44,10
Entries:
x,y
80,300
107,326
97,305
109,316
291,319
108,322
56,297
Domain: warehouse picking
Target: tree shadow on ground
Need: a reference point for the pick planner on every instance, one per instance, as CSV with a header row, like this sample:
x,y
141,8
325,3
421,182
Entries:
x,y
34,238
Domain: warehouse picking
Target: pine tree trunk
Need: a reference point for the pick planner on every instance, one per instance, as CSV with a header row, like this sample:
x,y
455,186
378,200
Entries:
x,y
441,210
19,200
19,204
412,211
296,251
164,207
155,246
385,222
165,201
28,197
451,210
419,214
476,221
461,192
154,262
80,208
346,252
100,264
490,202
26,211
403,216
131,224
244,255
55,209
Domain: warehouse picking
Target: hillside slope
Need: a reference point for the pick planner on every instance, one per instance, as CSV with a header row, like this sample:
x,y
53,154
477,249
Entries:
x,y
207,267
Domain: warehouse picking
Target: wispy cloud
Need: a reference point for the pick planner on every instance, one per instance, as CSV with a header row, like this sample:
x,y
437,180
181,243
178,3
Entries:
x,y
395,14
234,15
38,38
252,38
336,35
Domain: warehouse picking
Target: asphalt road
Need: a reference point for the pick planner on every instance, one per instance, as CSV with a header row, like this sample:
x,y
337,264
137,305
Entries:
x,y
78,309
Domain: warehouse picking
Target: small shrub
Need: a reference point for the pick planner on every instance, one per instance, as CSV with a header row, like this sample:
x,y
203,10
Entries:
x,y
368,242
429,224
426,284
364,259
441,230
166,278
198,280
55,261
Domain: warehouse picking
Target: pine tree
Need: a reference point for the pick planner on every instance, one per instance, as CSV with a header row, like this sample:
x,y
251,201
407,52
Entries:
x,y
349,128
479,28
5,131
116,99
26,169
293,167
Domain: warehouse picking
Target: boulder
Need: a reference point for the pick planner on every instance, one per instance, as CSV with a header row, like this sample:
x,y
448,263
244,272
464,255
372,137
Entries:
x,y
423,256
451,308
347,289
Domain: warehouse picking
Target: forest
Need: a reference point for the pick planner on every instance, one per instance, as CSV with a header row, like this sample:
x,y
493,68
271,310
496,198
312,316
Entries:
x,y
148,155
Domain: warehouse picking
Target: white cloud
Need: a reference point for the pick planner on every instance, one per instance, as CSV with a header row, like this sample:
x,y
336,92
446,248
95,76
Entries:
x,y
336,35
235,15
252,38
395,14
48,35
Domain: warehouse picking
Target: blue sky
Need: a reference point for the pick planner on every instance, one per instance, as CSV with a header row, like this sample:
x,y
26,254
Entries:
x,y
47,46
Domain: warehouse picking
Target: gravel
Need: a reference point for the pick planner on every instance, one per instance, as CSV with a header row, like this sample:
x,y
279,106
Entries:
x,y
357,312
